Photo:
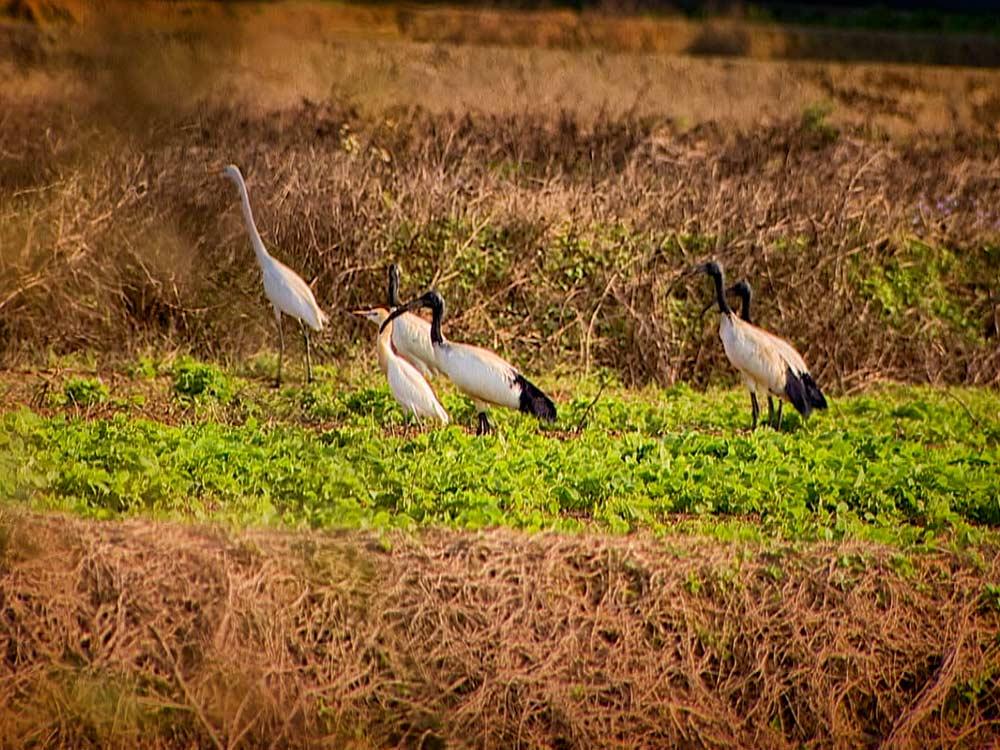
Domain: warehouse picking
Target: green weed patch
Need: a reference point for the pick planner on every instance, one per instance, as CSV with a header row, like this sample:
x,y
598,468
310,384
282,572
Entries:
x,y
901,465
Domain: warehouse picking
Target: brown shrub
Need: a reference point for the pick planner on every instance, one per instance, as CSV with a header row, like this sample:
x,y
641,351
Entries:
x,y
554,239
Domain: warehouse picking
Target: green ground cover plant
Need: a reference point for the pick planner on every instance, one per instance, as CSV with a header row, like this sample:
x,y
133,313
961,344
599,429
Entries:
x,y
83,392
907,465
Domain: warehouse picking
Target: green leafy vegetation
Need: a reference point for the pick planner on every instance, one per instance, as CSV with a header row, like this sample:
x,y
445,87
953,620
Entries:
x,y
83,392
901,465
197,380
918,280
991,596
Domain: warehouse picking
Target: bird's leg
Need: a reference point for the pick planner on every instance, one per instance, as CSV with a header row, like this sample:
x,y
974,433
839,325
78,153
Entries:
x,y
780,404
755,409
770,410
305,335
281,346
484,424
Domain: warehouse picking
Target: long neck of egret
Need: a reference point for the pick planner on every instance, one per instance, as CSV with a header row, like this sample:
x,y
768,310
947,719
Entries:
x,y
258,245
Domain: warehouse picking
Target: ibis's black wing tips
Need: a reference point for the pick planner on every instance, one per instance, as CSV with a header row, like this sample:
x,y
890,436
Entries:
x,y
533,401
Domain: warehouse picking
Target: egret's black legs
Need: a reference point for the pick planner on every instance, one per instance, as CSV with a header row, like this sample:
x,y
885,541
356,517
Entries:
x,y
755,407
770,411
484,425
281,346
780,404
305,335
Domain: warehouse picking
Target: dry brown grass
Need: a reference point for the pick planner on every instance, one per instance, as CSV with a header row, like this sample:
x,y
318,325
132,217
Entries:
x,y
729,37
553,197
273,54
552,239
178,636
543,28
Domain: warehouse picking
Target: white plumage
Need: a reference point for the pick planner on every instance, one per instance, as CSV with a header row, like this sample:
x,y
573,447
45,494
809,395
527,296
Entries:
x,y
407,385
755,356
284,288
743,290
411,335
479,373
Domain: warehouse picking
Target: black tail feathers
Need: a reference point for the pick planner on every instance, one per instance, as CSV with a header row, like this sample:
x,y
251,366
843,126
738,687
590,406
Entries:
x,y
533,401
813,393
803,392
795,389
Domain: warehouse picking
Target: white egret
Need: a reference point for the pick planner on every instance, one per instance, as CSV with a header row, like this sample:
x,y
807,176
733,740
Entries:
x,y
285,289
480,374
406,383
767,363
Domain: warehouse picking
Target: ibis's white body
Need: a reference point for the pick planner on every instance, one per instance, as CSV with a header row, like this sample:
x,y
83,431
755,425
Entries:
x,y
762,358
788,353
285,289
410,389
411,339
479,373
768,364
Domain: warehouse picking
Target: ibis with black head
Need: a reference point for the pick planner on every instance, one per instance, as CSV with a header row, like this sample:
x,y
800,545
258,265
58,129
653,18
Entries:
x,y
483,376
411,334
768,364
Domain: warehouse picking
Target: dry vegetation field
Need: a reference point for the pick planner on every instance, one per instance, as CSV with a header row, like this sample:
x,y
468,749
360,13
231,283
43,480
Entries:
x,y
553,175
193,636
